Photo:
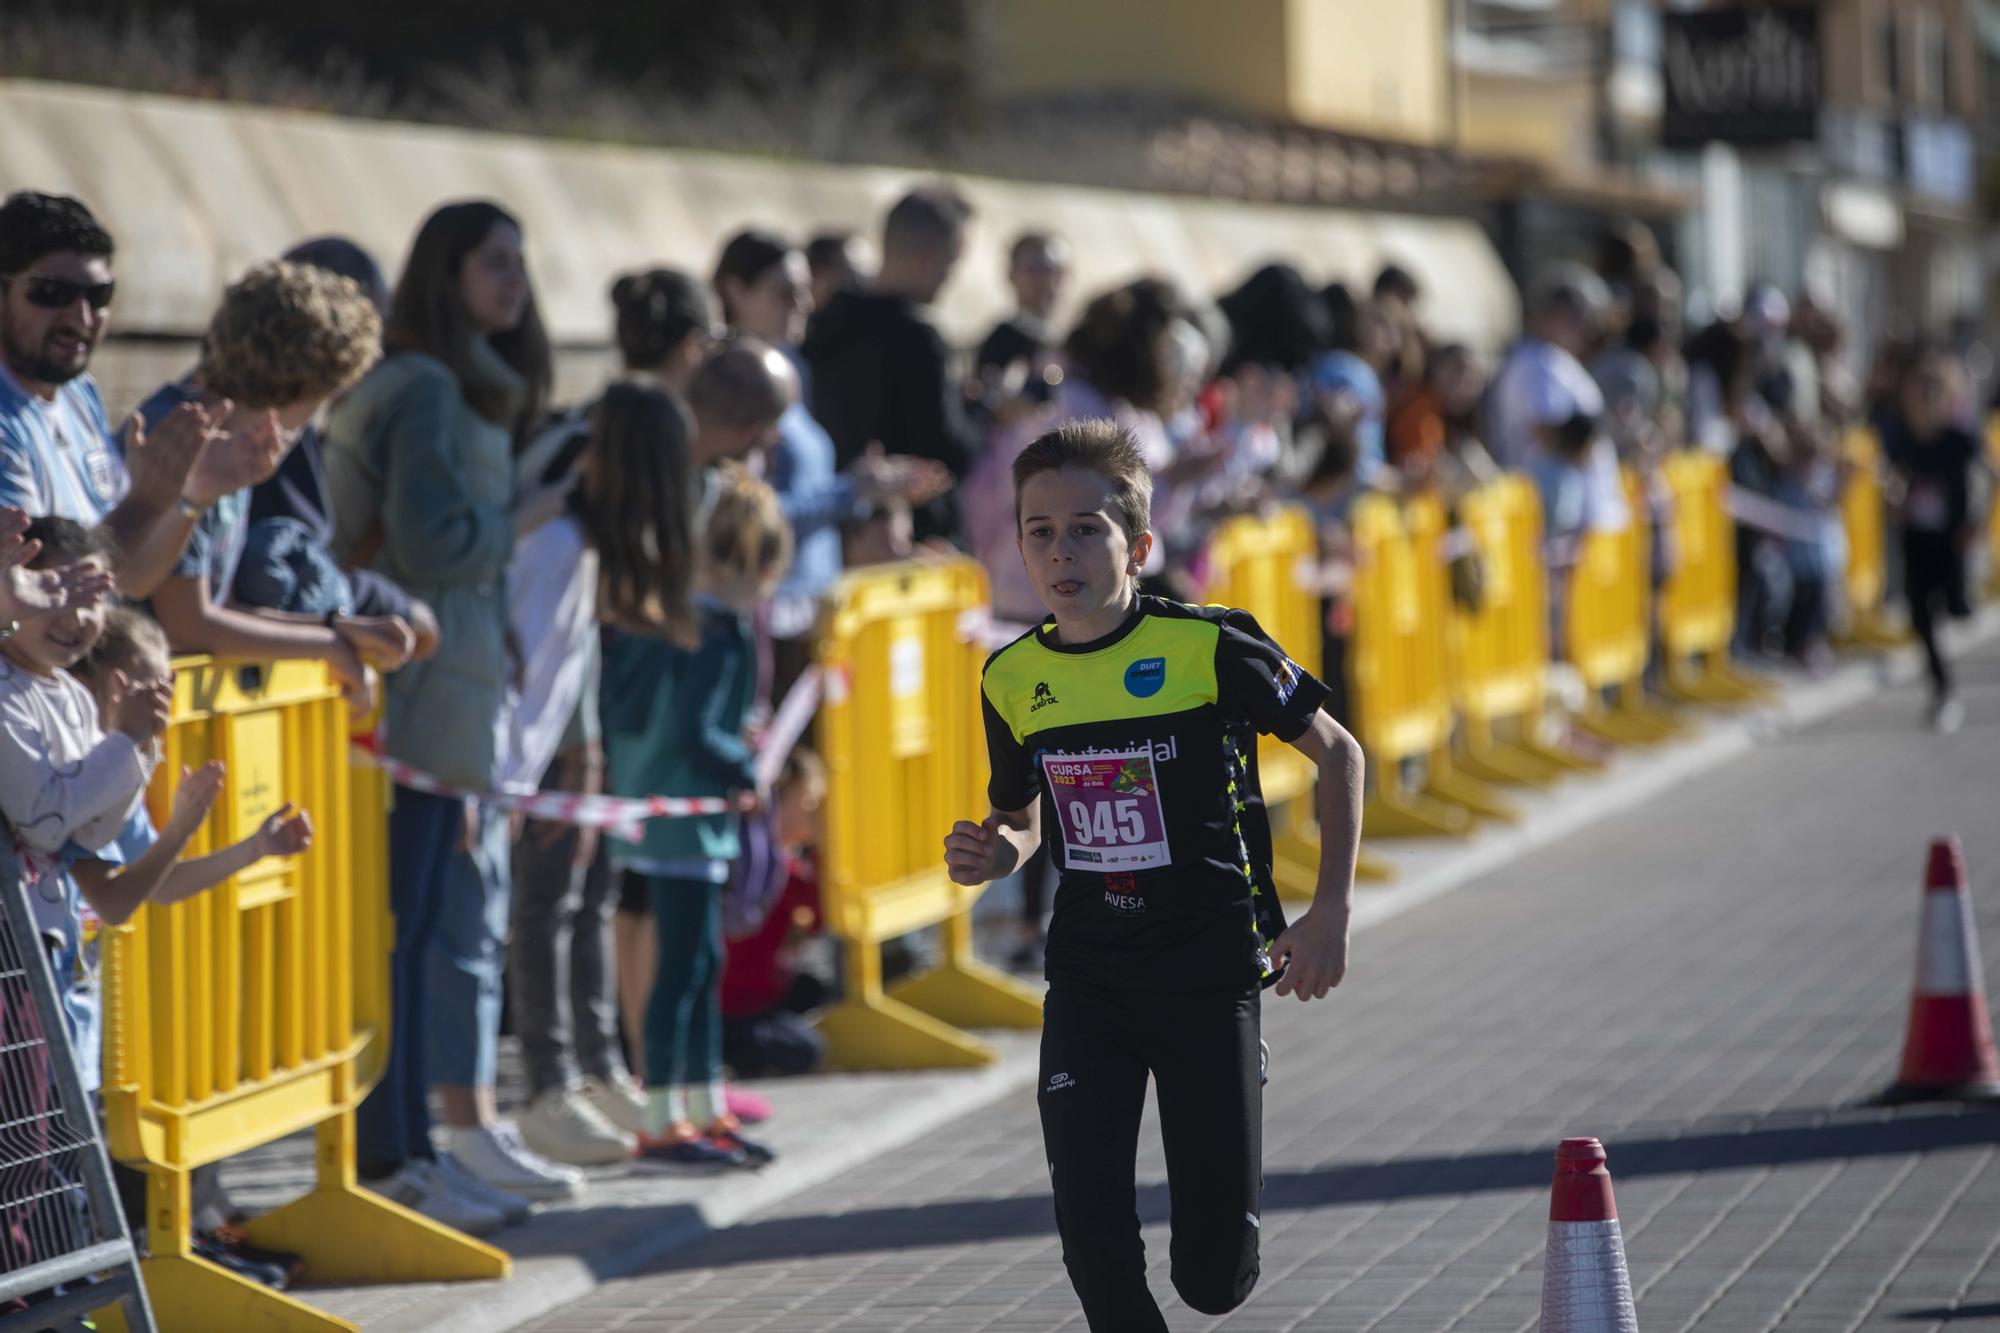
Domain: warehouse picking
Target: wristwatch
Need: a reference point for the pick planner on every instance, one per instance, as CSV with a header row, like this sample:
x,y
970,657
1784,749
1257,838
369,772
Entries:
x,y
189,510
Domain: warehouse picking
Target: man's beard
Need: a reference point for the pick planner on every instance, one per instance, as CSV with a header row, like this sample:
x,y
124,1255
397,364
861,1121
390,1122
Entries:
x,y
34,366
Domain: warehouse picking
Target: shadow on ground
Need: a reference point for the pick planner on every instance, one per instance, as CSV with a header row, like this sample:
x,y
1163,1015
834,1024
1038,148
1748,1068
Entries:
x,y
960,1221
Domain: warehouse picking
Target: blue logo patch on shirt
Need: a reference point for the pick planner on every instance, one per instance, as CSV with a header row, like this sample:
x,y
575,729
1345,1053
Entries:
x,y
1144,677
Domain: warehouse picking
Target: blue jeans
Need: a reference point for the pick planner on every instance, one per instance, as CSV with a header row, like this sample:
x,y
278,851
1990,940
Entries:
x,y
440,899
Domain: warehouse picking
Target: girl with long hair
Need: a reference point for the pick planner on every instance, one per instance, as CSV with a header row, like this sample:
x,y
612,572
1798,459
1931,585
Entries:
x,y
622,556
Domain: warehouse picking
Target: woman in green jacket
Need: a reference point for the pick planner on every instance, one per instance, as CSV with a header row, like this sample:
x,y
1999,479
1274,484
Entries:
x,y
420,465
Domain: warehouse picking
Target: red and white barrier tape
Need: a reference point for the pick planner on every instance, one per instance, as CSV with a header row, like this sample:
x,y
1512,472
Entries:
x,y
622,816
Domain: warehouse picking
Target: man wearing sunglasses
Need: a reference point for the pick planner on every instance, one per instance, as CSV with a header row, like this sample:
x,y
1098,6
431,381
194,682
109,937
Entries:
x,y
57,454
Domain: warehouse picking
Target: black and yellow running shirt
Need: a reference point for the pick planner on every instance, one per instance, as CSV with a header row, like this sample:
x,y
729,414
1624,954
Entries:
x,y
1141,746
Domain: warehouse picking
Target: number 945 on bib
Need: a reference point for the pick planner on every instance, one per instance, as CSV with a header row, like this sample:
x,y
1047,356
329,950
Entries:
x,y
1108,804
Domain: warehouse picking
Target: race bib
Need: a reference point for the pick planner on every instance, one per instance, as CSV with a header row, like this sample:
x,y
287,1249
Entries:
x,y
1925,509
1109,808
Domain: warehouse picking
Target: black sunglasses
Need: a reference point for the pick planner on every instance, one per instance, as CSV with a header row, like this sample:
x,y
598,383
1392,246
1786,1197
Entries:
x,y
52,293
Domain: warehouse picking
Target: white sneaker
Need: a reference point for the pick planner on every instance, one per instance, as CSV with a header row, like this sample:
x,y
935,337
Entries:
x,y
513,1209
1948,716
620,1102
563,1126
497,1156
420,1187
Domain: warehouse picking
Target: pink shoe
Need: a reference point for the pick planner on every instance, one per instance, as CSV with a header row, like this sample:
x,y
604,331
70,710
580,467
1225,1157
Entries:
x,y
745,1106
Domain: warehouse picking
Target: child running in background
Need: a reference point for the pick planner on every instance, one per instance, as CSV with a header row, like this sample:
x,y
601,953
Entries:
x,y
622,556
673,724
1930,494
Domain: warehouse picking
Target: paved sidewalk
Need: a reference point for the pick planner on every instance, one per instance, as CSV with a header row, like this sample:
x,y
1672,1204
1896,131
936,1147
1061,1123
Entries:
x,y
1713,985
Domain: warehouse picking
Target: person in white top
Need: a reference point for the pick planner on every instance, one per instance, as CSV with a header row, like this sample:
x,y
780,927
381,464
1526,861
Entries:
x,y
622,554
63,777
1545,411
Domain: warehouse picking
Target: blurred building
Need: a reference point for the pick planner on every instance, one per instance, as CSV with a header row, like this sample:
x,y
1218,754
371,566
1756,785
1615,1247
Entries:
x,y
1827,147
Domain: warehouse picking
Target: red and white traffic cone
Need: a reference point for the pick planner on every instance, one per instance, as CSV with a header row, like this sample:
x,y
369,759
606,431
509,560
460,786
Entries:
x,y
1585,1288
1948,1048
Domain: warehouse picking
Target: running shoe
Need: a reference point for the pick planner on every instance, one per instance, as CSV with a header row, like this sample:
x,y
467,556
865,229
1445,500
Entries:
x,y
563,1126
727,1131
287,1264
1948,715
420,1185
495,1155
683,1148
207,1245
620,1101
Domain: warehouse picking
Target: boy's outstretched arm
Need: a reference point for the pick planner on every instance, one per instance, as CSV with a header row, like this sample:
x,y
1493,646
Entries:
x,y
286,833
1315,945
116,892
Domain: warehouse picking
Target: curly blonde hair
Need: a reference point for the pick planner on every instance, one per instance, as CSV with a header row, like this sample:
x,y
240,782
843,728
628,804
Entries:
x,y
285,333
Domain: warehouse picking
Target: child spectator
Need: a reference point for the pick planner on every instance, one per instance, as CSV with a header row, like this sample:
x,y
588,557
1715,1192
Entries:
x,y
765,996
68,781
139,865
623,555
287,563
286,337
673,722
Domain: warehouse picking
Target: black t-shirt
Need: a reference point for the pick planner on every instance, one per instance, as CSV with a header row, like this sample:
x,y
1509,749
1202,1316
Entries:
x,y
1937,471
1141,747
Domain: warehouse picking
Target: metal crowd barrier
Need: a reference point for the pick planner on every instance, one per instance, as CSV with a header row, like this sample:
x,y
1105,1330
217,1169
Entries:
x,y
64,1245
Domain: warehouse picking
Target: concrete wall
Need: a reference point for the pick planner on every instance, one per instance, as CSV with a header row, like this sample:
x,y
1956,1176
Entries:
x,y
196,191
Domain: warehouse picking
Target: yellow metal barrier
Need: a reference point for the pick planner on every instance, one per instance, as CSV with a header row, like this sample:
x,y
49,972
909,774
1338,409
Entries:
x,y
1698,603
1861,514
1499,654
1396,663
1608,626
260,1008
1261,564
905,759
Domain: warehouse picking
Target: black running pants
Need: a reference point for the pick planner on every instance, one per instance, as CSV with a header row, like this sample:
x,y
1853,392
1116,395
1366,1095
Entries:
x,y
1098,1047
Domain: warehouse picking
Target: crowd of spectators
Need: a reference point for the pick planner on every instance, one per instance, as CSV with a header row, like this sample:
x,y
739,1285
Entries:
x,y
613,595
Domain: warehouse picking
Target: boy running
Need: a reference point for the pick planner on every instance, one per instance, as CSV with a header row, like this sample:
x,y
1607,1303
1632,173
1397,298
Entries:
x,y
1126,726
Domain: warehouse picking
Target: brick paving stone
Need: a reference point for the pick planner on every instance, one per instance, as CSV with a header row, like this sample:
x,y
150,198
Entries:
x,y
1715,986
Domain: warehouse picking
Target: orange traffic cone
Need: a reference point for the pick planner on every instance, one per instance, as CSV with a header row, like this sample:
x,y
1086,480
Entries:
x,y
1584,1285
1948,1049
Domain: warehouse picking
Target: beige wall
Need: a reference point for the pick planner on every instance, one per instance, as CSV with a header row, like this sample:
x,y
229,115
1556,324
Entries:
x,y
1549,121
195,192
1371,66
1228,51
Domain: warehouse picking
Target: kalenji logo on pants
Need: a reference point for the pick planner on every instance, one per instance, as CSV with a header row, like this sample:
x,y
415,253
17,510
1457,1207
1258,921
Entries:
x,y
1060,1081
